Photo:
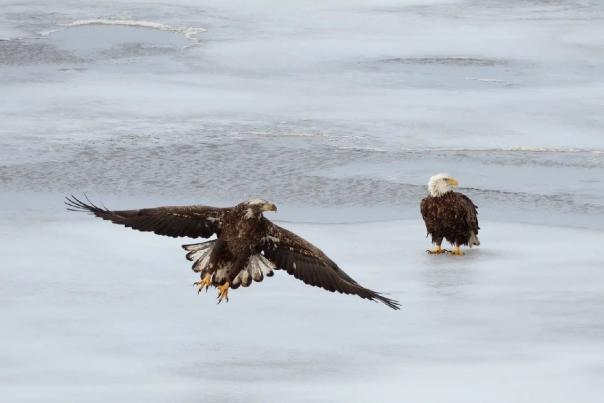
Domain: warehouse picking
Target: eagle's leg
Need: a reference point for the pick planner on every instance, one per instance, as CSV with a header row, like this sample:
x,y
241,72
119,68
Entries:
x,y
206,282
223,292
457,251
436,251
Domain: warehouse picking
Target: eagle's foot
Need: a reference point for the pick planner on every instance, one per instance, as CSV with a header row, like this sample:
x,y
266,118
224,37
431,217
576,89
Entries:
x,y
436,251
456,251
223,292
205,282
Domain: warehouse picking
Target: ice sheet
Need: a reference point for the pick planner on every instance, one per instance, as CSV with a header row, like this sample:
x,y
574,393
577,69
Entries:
x,y
94,312
339,112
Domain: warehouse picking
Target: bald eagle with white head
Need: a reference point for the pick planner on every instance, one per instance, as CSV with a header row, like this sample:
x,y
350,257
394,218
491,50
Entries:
x,y
449,215
247,248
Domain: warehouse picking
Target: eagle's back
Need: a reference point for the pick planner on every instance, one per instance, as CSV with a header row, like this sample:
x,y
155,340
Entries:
x,y
240,239
452,216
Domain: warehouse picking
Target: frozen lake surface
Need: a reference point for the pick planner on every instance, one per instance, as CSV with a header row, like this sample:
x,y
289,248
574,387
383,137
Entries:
x,y
339,113
94,312
355,103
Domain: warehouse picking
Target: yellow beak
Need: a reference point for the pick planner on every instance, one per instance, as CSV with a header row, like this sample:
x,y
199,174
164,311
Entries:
x,y
269,207
452,181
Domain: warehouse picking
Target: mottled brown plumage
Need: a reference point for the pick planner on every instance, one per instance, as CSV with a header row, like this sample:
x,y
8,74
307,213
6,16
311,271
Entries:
x,y
247,248
449,215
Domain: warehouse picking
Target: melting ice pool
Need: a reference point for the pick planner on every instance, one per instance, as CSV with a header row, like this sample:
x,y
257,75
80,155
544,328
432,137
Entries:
x,y
95,38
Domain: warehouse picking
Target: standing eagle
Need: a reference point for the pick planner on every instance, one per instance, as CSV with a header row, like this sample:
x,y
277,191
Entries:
x,y
248,246
449,215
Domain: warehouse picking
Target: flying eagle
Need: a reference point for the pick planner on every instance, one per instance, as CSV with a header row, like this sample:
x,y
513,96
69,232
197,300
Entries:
x,y
248,247
449,215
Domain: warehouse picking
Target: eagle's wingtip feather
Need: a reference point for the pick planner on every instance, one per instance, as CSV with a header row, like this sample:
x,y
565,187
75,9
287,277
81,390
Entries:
x,y
75,204
391,303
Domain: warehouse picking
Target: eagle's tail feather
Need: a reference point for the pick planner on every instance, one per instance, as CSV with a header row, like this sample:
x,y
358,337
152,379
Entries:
x,y
199,254
194,247
473,239
256,269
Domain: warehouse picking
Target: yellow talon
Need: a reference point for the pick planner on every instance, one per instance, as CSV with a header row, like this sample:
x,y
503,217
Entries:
x,y
457,251
204,282
223,292
436,251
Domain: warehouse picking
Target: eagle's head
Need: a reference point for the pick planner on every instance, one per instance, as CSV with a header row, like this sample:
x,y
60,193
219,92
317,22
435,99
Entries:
x,y
440,184
255,207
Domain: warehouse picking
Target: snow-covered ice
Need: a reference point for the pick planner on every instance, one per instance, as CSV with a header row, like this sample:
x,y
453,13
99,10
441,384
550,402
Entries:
x,y
339,112
94,312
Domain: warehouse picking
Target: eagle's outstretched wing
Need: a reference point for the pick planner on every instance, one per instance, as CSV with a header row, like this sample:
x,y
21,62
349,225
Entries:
x,y
190,221
289,252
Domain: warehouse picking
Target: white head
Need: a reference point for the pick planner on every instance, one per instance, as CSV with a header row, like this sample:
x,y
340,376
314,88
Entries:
x,y
255,207
440,184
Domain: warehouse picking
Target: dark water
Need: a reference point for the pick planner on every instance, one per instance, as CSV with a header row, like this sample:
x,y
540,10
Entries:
x,y
210,165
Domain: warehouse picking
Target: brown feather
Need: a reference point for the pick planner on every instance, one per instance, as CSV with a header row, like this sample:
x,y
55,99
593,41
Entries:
x,y
308,263
176,221
452,216
240,235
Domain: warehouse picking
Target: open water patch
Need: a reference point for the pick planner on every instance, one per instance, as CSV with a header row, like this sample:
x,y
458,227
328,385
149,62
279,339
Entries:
x,y
121,38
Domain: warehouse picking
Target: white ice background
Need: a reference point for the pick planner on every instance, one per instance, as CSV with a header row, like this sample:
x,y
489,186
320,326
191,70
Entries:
x,y
339,112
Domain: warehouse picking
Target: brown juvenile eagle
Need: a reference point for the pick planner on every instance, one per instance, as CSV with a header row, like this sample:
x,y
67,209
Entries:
x,y
248,246
449,215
